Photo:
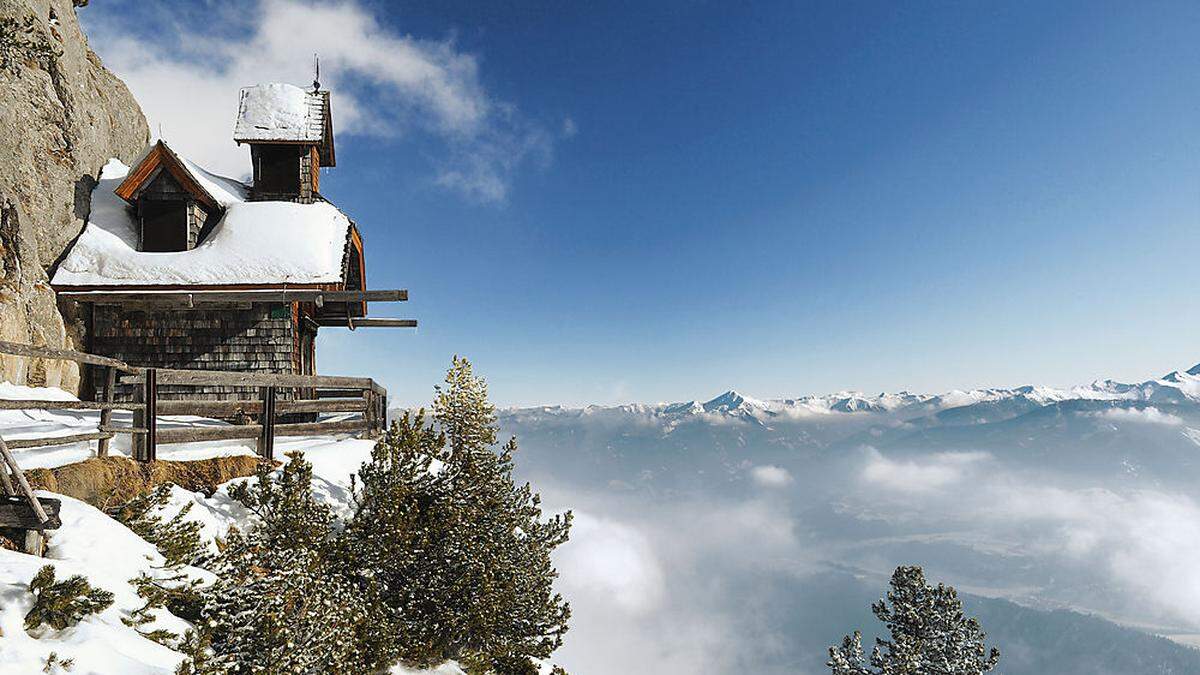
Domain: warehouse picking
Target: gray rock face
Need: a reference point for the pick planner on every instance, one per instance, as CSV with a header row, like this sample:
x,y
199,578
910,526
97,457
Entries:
x,y
62,115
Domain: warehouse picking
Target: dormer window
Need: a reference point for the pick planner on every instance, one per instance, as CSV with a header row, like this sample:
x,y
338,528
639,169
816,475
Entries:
x,y
171,205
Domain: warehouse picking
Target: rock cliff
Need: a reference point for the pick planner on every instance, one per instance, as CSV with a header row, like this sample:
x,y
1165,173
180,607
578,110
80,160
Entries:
x,y
62,115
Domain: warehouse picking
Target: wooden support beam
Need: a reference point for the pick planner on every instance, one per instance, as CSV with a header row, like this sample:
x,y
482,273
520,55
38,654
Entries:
x,y
17,512
237,379
338,322
18,349
198,297
48,441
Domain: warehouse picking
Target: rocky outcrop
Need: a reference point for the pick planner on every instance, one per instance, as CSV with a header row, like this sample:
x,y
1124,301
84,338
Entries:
x,y
62,115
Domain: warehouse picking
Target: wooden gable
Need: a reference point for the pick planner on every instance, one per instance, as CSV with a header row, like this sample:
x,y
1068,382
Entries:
x,y
161,159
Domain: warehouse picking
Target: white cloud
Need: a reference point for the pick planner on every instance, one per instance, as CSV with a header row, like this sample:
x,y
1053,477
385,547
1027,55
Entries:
x,y
922,474
384,84
1148,415
771,476
611,563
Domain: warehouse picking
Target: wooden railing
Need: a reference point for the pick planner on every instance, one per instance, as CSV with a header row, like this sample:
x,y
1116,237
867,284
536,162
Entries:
x,y
331,394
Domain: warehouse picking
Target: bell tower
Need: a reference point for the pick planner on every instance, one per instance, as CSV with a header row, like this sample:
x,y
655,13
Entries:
x,y
290,134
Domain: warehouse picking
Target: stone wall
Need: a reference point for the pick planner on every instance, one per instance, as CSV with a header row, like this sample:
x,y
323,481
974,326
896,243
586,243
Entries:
x,y
62,116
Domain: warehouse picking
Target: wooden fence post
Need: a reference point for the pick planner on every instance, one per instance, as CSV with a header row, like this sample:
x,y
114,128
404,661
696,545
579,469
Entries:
x,y
110,383
266,441
138,442
151,397
145,445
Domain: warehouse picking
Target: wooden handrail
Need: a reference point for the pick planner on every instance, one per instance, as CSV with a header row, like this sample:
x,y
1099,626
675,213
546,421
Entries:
x,y
243,379
18,349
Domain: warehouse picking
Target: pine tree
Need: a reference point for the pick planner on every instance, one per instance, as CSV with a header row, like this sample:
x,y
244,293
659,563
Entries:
x,y
929,634
179,542
279,606
177,539
63,603
454,558
506,608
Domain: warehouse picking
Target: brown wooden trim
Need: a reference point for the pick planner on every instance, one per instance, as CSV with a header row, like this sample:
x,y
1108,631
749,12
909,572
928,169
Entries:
x,y
356,242
162,156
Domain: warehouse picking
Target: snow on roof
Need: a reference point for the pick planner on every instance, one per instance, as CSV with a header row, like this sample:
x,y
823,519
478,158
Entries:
x,y
255,243
280,112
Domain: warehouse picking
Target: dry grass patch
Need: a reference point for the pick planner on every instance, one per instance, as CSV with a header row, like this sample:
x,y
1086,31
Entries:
x,y
105,482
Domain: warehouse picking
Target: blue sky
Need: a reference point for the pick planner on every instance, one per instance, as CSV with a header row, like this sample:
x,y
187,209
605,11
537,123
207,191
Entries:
x,y
610,202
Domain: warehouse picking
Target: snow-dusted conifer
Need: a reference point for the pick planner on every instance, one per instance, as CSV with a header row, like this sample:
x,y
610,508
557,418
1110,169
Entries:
x,y
455,557
63,603
929,634
279,605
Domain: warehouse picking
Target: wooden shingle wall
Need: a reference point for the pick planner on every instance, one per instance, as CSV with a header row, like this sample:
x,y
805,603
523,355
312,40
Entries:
x,y
257,338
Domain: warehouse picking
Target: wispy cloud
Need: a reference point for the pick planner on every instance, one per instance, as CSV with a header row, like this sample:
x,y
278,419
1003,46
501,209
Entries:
x,y
1149,415
386,85
923,474
771,476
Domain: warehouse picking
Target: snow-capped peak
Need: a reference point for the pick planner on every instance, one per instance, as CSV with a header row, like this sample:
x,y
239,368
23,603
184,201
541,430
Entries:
x,y
731,400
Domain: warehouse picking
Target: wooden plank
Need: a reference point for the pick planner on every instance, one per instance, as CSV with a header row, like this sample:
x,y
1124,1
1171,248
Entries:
x,y
19,443
371,322
200,296
110,385
18,349
321,428
50,404
19,513
249,407
125,430
243,379
221,433
22,483
254,431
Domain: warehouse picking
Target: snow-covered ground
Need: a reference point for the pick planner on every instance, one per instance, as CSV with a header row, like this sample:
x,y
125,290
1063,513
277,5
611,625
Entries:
x,y
109,555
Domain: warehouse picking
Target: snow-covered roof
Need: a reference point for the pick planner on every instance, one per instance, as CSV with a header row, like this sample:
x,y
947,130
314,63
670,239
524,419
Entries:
x,y
218,192
254,243
280,112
